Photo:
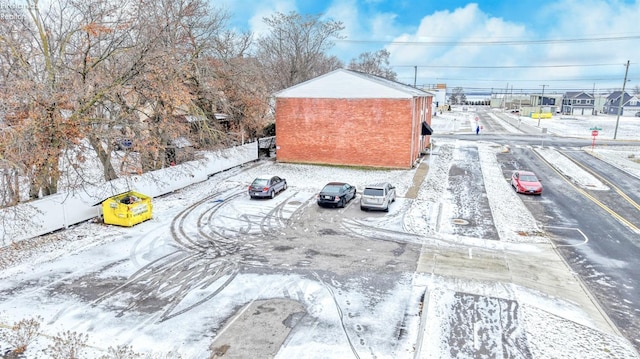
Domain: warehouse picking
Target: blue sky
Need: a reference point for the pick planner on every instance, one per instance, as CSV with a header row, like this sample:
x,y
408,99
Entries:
x,y
562,44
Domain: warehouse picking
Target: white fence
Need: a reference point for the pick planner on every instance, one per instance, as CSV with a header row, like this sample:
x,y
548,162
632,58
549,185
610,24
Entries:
x,y
28,220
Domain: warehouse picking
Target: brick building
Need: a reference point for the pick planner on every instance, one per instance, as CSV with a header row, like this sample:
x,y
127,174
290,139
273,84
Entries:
x,y
350,118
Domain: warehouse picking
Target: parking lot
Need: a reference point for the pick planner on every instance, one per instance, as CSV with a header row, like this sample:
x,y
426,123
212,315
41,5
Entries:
x,y
218,274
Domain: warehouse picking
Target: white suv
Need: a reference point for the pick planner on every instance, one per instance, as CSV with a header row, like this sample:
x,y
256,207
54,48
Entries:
x,y
377,196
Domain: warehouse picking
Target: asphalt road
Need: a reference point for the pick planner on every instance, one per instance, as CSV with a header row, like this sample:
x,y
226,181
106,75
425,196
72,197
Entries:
x,y
595,231
606,252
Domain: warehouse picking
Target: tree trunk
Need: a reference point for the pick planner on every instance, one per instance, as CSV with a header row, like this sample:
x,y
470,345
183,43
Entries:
x,y
105,158
11,193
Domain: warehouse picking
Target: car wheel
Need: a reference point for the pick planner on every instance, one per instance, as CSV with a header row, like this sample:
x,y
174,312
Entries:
x,y
273,194
386,209
363,209
341,203
285,186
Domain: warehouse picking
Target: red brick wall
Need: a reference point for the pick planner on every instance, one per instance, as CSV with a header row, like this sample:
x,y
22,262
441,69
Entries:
x,y
357,132
423,112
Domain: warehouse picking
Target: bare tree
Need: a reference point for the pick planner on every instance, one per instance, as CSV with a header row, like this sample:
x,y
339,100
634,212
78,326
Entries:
x,y
376,63
75,75
69,61
295,48
35,107
328,64
457,96
195,68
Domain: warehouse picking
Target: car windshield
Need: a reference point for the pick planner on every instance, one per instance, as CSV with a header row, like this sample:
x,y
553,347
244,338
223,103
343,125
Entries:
x,y
379,192
332,189
260,182
528,178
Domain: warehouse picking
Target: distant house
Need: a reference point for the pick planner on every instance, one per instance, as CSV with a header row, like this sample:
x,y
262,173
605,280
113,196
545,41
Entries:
x,y
351,118
578,103
630,104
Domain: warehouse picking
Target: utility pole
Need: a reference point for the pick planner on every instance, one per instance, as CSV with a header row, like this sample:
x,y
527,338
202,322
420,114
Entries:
x,y
511,98
594,111
541,101
626,71
503,100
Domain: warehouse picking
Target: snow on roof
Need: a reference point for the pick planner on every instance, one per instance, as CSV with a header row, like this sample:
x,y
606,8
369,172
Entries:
x,y
575,94
344,83
265,176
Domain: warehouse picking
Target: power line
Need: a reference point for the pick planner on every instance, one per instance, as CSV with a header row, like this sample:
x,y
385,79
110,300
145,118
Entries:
x,y
521,80
493,42
503,67
519,91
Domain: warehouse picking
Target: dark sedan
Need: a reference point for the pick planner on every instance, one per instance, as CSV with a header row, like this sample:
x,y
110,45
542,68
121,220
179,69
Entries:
x,y
336,194
267,186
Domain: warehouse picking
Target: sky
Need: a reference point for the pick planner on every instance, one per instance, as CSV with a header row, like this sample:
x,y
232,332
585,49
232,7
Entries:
x,y
489,46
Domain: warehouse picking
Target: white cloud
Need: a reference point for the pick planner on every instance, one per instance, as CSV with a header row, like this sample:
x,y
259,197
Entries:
x,y
467,24
593,19
361,25
253,12
347,13
382,27
561,20
262,10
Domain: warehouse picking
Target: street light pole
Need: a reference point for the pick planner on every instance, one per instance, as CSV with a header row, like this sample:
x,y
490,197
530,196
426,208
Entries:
x,y
541,101
615,132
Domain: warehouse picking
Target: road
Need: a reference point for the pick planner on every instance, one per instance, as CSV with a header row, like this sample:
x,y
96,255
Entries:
x,y
596,230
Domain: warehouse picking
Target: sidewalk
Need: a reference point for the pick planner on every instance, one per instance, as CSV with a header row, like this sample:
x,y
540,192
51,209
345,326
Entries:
x,y
524,274
521,125
418,177
541,269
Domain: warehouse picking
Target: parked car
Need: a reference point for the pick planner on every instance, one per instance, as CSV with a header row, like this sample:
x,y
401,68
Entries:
x,y
122,144
267,186
526,182
637,114
336,194
377,196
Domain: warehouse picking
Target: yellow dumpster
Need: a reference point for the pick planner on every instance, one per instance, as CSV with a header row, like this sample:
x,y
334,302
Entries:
x,y
127,209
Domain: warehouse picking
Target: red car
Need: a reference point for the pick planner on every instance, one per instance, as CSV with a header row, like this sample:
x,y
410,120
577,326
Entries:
x,y
526,182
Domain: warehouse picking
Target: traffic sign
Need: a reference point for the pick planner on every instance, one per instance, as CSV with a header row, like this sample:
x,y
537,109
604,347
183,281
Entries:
x,y
596,128
594,133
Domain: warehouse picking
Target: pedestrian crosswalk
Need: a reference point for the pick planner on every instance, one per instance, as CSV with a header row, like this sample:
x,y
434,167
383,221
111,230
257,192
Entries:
x,y
561,148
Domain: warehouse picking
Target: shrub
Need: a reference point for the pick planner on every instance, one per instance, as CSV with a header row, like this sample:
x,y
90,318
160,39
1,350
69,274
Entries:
x,y
68,345
22,334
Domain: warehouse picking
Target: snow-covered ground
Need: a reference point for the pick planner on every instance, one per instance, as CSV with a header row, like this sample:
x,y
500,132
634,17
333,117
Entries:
x,y
553,327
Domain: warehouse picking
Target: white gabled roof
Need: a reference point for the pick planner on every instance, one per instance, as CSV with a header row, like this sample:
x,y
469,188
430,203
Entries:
x,y
343,83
